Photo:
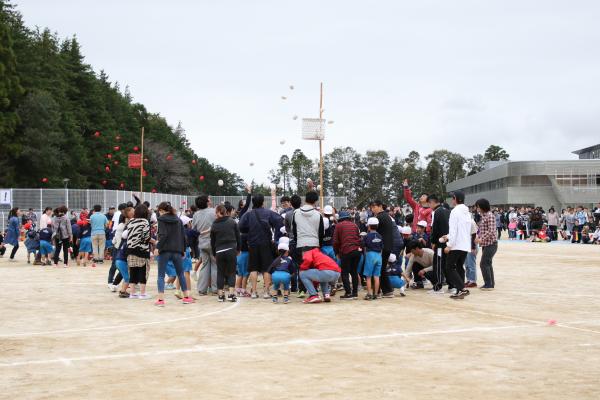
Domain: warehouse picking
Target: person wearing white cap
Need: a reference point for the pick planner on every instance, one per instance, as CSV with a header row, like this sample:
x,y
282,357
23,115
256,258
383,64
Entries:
x,y
329,229
395,274
373,244
281,271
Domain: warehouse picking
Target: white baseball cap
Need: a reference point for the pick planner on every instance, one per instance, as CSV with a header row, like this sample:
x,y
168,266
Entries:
x,y
373,221
392,258
283,246
405,230
328,210
422,223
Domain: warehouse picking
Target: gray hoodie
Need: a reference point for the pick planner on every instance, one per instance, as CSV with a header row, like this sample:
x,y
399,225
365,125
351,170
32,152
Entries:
x,y
203,220
308,227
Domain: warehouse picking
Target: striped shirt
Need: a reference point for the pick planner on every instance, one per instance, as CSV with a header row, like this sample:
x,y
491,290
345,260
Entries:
x,y
346,238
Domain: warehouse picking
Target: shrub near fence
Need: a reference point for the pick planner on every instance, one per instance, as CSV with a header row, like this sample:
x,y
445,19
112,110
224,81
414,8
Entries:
x,y
76,199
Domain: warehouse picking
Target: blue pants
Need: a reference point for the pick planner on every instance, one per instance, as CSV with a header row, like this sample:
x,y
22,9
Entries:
x,y
328,251
177,260
325,278
372,264
471,266
46,248
122,267
396,282
281,278
242,264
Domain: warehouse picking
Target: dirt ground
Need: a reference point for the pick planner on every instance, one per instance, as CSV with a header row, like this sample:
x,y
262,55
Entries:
x,y
63,334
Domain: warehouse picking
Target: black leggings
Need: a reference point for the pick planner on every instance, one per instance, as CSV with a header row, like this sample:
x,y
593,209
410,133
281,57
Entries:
x,y
350,267
64,243
226,264
14,251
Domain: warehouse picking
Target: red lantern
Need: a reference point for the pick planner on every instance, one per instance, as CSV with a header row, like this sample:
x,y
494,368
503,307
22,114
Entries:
x,y
201,177
194,162
118,137
121,185
45,180
169,157
104,182
107,168
117,148
109,156
136,148
96,134
153,190
116,162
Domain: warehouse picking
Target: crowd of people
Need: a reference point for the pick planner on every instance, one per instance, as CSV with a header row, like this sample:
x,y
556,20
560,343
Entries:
x,y
294,248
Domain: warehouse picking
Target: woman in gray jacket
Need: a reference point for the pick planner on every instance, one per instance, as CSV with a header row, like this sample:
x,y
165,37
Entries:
x,y
63,235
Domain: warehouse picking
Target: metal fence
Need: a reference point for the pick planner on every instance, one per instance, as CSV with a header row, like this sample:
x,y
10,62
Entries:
x,y
76,199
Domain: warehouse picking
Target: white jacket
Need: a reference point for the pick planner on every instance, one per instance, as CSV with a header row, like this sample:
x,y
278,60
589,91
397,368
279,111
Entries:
x,y
459,235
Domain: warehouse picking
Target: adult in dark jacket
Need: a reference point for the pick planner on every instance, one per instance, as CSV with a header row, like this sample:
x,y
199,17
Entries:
x,y
440,218
225,242
347,245
171,247
385,229
259,224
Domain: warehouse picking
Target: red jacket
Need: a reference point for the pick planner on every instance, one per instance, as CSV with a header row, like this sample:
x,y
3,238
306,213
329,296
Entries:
x,y
420,213
315,259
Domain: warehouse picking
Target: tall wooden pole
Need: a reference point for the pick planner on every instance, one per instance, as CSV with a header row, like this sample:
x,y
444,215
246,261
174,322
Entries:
x,y
321,151
142,165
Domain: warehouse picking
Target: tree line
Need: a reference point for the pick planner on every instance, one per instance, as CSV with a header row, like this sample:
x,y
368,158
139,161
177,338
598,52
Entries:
x,y
61,120
375,175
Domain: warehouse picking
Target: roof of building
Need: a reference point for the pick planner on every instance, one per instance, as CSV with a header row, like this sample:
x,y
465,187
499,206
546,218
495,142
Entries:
x,y
587,149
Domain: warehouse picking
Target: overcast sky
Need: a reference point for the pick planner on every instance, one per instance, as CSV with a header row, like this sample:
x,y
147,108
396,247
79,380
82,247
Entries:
x,y
398,75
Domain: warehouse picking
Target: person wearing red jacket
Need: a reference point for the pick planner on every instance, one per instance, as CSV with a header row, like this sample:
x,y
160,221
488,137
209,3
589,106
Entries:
x,y
421,210
318,267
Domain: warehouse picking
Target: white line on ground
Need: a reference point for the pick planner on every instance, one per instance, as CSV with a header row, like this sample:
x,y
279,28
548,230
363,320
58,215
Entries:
x,y
294,342
119,326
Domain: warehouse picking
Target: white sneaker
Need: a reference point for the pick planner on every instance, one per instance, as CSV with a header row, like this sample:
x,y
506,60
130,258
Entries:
x,y
402,291
266,295
452,291
144,296
112,287
134,296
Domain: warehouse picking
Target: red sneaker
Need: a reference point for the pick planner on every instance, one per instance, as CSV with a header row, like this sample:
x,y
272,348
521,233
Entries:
x,y
188,300
159,303
312,299
471,284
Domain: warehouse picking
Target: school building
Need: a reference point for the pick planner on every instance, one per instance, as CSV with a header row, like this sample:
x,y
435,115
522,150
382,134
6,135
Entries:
x,y
537,183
